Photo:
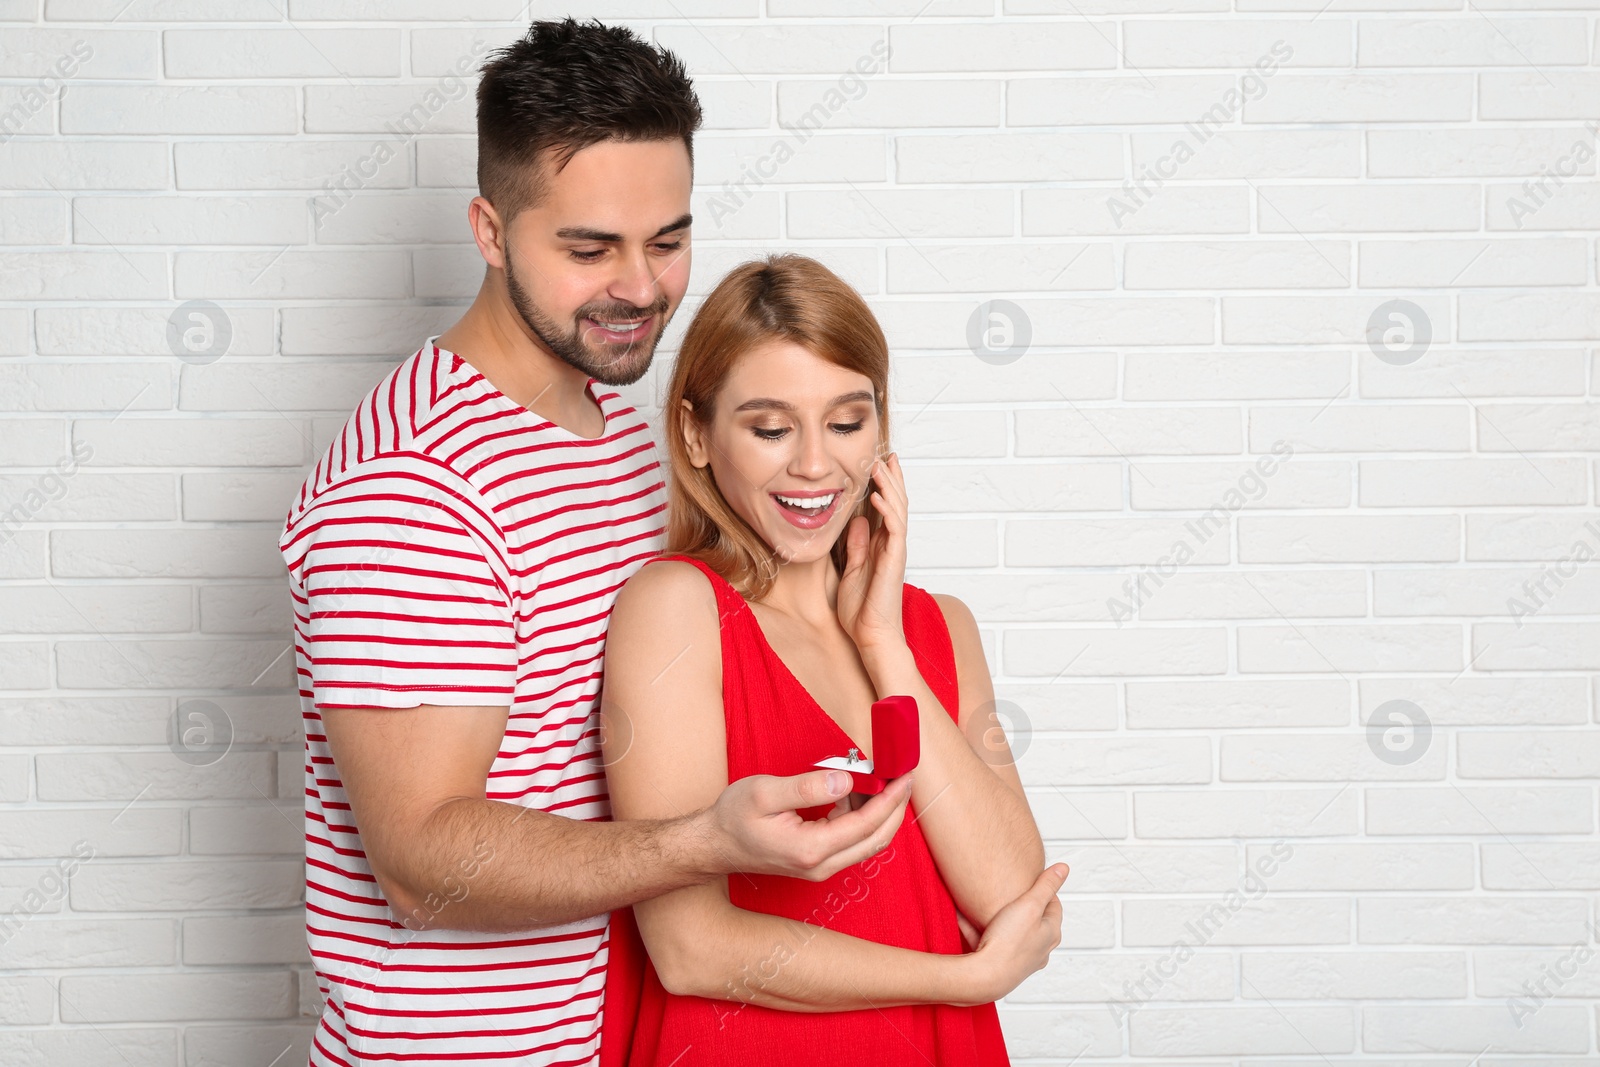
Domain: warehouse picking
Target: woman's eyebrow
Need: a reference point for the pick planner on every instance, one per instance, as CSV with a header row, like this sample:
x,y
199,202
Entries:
x,y
765,403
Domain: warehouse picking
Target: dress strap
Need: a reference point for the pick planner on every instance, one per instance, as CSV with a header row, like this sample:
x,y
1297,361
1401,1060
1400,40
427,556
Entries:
x,y
928,634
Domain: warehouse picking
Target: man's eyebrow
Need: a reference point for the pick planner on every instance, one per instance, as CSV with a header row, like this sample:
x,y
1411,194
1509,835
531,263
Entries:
x,y
583,233
766,403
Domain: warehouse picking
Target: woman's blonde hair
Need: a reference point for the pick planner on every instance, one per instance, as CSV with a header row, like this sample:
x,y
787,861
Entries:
x,y
783,297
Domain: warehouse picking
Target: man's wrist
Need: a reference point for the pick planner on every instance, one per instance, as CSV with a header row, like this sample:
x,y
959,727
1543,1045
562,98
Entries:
x,y
692,845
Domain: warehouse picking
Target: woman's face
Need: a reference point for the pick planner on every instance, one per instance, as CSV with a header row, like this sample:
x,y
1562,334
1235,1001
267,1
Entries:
x,y
790,429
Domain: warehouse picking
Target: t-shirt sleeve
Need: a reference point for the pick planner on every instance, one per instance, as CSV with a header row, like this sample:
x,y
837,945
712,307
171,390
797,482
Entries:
x,y
402,596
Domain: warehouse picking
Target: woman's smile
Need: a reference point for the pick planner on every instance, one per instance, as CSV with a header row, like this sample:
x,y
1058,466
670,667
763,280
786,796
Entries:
x,y
809,510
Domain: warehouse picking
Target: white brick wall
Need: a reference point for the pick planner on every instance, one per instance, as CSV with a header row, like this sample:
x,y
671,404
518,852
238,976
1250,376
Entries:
x,y
1198,212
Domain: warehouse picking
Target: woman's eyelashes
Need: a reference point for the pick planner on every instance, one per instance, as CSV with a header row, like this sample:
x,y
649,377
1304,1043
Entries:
x,y
776,433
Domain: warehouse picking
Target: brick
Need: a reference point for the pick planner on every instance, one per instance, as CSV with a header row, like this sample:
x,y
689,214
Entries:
x,y
142,331
1479,811
1000,268
180,109
1410,920
1144,869
177,663
165,442
112,609
1007,157
1341,757
80,54
1347,539
1476,372
1193,264
1243,376
1427,264
1530,754
1222,813
1205,595
1017,487
1469,1029
265,828
811,105
1349,975
291,53
1122,431
143,830
1349,648
1242,703
1225,486
903,213
190,220
72,1046
185,886
1193,209
51,166
1470,482
1413,865
1258,45
990,46
1098,978
1105,542
1194,650
173,997
1473,43
245,940
1364,208
1473,701
32,220
1259,920
1364,98
1214,1031
135,777
1254,154
1473,152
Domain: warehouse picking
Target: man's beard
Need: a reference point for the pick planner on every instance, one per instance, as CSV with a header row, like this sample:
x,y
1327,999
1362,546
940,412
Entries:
x,y
615,364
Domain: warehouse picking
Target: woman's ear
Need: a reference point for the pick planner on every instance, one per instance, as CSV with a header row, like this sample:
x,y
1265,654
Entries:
x,y
693,440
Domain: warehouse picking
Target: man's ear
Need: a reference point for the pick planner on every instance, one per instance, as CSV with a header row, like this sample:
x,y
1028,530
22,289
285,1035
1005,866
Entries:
x,y
693,439
488,231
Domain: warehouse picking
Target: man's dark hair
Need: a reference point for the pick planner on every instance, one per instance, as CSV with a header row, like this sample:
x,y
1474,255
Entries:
x,y
567,85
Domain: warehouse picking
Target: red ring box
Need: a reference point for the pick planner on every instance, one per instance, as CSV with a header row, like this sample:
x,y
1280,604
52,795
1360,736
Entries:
x,y
896,746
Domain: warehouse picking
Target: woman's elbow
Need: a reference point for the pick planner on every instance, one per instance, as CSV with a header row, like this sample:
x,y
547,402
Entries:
x,y
687,967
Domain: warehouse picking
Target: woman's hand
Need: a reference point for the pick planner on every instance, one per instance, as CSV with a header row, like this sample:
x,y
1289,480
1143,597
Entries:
x,y
870,589
1019,939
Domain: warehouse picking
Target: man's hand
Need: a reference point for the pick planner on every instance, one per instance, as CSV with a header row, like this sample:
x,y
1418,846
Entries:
x,y
756,829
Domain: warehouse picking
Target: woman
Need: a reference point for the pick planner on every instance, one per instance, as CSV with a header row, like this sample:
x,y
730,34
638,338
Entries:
x,y
756,644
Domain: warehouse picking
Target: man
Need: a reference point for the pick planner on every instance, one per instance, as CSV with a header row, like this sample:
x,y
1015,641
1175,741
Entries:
x,y
454,557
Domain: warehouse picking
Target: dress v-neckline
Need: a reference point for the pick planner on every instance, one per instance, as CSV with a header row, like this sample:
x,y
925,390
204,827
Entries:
x,y
794,682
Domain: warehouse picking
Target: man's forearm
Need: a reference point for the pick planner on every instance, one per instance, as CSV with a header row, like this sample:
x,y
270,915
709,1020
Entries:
x,y
487,865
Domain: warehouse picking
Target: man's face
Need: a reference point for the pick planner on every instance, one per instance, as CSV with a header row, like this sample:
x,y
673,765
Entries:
x,y
598,267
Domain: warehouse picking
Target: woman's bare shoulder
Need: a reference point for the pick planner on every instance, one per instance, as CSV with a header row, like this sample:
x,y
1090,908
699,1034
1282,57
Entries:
x,y
667,588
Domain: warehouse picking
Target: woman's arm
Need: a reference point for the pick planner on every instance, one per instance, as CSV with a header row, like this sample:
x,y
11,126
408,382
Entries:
x,y
968,797
666,755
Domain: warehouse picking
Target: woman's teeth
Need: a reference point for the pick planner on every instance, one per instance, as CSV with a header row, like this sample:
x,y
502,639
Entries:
x,y
811,503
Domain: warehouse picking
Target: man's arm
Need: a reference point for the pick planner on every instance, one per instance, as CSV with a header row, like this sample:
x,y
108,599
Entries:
x,y
446,856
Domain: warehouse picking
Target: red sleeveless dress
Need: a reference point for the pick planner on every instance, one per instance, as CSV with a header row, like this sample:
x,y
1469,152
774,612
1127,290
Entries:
x,y
895,898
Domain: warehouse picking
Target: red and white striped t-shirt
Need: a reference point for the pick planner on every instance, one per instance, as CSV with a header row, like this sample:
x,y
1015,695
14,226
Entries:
x,y
451,547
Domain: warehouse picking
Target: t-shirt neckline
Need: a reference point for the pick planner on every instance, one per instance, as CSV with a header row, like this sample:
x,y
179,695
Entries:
x,y
540,421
